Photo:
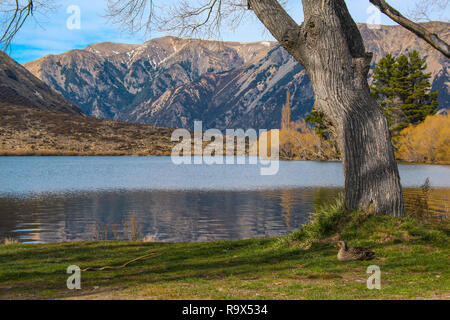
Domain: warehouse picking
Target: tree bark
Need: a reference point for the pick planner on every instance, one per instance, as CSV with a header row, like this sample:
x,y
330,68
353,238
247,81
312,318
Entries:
x,y
330,47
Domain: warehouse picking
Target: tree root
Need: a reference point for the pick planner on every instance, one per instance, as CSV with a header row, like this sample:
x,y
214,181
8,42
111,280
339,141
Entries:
x,y
122,266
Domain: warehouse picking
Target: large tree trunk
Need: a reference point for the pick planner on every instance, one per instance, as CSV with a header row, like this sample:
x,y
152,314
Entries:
x,y
329,45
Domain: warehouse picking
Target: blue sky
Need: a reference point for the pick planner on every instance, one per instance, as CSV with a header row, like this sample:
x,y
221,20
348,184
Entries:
x,y
49,34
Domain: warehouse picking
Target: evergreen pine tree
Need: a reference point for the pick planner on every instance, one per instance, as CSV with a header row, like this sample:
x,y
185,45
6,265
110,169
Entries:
x,y
403,90
383,89
420,102
315,118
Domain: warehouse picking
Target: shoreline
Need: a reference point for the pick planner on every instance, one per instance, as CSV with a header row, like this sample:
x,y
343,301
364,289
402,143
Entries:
x,y
115,153
56,153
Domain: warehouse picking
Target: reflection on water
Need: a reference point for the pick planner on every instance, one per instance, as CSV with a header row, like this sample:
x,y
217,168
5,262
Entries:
x,y
438,201
166,215
50,199
175,216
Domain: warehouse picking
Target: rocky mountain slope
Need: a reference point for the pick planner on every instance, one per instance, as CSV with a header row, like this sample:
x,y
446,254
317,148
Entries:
x,y
172,82
19,87
37,120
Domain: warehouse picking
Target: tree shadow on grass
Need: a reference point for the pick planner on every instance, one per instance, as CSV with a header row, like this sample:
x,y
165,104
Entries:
x,y
175,263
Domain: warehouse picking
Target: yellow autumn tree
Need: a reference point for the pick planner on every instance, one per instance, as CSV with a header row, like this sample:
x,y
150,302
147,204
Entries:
x,y
298,141
427,142
303,143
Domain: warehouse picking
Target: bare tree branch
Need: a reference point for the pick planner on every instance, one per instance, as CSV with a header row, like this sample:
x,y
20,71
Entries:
x,y
14,14
186,17
280,24
14,20
132,15
424,8
205,17
420,31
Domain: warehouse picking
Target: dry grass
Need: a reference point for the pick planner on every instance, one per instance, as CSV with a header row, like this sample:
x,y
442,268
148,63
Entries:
x,y
129,230
26,131
149,238
8,241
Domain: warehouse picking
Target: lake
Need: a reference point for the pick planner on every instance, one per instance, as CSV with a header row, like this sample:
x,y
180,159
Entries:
x,y
54,199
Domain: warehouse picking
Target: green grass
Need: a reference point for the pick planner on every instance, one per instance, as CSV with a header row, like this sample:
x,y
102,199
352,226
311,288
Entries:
x,y
413,257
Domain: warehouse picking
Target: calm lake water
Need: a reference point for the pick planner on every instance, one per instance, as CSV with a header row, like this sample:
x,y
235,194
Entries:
x,y
53,199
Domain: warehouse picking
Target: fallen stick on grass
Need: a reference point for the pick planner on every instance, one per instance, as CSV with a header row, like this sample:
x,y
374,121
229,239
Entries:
x,y
122,266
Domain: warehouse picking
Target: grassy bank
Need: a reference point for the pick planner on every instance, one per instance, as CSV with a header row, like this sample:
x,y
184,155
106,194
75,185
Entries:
x,y
413,258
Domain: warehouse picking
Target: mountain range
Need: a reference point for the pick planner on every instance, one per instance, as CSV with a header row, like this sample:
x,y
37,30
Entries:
x,y
172,82
36,120
19,87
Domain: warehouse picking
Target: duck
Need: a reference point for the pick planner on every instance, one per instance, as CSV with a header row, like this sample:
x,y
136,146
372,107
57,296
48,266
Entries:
x,y
347,253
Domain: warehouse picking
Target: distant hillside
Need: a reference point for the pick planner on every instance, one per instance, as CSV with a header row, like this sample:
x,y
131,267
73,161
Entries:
x,y
172,82
36,120
30,131
19,87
